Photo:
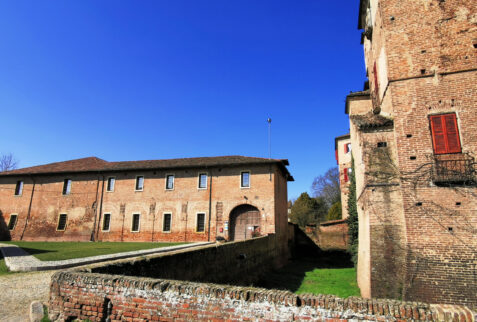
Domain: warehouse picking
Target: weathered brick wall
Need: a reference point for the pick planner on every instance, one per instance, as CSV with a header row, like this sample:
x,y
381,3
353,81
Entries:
x,y
329,235
98,297
429,67
238,263
42,202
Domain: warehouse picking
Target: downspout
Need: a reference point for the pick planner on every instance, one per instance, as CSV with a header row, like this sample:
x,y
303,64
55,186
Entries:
x,y
100,206
210,206
95,211
29,208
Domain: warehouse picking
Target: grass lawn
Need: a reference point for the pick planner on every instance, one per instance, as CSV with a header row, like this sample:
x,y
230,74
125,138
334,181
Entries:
x,y
329,273
51,251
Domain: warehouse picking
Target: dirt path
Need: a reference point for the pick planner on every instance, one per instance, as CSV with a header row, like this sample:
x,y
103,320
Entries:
x,y
17,291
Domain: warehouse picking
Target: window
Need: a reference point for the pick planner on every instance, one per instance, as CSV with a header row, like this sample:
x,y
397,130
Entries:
x,y
347,148
62,222
166,223
169,182
445,133
245,179
12,222
135,223
19,188
106,222
111,182
200,223
202,180
67,186
139,183
347,172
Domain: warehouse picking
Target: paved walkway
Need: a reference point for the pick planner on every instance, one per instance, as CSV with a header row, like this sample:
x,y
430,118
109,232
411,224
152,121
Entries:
x,y
18,260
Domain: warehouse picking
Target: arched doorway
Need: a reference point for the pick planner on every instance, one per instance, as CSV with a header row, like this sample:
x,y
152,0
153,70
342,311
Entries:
x,y
244,222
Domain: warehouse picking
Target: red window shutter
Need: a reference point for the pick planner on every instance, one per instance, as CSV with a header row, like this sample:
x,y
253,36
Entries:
x,y
453,141
345,172
376,84
346,148
438,134
445,134
336,157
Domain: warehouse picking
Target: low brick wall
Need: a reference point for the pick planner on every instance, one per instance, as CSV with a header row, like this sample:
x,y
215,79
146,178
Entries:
x,y
98,297
238,263
329,235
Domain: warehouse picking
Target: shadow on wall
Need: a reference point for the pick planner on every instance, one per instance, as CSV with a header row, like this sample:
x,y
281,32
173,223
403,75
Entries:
x,y
306,257
4,232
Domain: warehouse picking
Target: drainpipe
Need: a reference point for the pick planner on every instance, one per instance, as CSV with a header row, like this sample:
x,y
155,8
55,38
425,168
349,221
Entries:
x,y
210,205
29,208
95,210
100,206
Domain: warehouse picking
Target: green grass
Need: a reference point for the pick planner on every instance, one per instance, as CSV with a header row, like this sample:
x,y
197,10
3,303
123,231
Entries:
x,y
327,273
337,281
3,267
52,251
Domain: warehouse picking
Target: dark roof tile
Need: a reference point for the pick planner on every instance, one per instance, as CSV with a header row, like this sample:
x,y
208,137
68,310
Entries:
x,y
93,164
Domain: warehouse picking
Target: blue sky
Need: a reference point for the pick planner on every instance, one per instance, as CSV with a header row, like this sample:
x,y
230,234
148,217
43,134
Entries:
x,y
134,80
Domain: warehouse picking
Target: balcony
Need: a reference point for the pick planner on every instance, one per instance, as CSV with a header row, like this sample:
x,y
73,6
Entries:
x,y
454,169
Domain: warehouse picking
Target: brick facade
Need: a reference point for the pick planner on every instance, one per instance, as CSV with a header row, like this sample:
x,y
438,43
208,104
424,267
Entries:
x,y
343,158
41,201
417,211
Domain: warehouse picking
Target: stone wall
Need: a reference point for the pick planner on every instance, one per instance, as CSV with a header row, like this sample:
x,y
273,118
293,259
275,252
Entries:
x,y
98,297
329,235
238,263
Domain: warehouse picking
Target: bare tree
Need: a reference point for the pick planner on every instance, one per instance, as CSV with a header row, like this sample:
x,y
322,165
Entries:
x,y
327,186
8,162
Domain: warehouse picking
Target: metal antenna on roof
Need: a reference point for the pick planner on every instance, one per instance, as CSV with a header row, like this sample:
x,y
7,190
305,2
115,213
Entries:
x,y
269,120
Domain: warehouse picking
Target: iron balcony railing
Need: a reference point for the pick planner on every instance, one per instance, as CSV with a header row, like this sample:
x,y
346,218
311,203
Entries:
x,y
454,169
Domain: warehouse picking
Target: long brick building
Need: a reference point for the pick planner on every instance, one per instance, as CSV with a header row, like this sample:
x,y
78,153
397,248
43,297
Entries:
x,y
414,139
193,199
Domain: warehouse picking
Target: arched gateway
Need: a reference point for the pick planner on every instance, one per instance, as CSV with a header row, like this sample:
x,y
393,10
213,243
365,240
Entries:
x,y
244,222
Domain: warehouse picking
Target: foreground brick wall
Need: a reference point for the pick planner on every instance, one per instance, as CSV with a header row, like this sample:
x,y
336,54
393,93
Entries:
x,y
97,297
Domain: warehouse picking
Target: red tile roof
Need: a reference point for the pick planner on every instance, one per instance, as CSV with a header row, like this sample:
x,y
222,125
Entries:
x,y
93,164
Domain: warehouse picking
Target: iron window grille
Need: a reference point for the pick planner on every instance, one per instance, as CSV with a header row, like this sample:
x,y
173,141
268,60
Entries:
x,y
12,222
62,222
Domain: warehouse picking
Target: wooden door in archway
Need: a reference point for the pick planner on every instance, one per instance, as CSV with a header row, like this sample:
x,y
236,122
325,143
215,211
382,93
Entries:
x,y
244,222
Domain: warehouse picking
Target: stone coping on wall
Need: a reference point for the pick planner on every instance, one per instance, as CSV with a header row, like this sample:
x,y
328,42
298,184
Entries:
x,y
253,303
18,260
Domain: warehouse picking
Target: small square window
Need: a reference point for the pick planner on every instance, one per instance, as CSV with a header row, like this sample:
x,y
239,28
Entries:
x,y
135,223
106,222
200,223
202,180
67,186
245,179
166,223
111,182
139,183
170,182
19,188
62,222
12,222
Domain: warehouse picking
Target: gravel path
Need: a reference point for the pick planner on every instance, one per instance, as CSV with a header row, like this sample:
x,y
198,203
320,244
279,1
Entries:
x,y
18,290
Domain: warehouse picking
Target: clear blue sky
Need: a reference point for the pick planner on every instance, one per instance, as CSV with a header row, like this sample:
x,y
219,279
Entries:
x,y
134,80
